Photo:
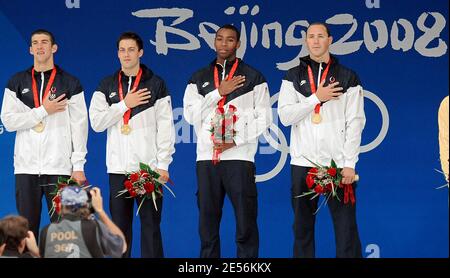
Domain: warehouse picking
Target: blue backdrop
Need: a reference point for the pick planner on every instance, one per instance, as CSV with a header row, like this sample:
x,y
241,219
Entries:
x,y
398,48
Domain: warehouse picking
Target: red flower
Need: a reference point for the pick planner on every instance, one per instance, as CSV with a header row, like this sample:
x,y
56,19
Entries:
x,y
134,177
149,187
57,199
132,193
234,118
57,203
329,187
332,172
313,171
144,174
310,180
318,189
220,110
232,108
128,184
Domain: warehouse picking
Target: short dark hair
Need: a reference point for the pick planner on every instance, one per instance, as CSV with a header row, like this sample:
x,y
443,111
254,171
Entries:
x,y
131,36
231,27
322,24
45,32
15,229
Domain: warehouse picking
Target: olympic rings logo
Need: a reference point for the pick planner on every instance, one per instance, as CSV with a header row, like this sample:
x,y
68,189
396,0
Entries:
x,y
283,147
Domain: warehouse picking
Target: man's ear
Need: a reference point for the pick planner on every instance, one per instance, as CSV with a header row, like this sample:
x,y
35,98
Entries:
x,y
330,40
54,48
141,53
31,51
238,45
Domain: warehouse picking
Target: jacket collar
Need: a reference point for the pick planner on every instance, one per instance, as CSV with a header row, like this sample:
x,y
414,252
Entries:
x,y
307,61
46,73
147,73
228,64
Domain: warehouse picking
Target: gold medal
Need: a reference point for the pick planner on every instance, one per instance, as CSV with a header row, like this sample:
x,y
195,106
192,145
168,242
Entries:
x,y
316,118
39,127
126,129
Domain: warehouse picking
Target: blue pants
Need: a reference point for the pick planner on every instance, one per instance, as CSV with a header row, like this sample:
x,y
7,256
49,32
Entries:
x,y
348,244
236,179
29,192
122,210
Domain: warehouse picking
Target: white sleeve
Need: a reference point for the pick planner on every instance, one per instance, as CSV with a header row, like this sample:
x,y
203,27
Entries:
x,y
16,115
79,130
101,115
165,133
355,120
196,108
248,130
292,105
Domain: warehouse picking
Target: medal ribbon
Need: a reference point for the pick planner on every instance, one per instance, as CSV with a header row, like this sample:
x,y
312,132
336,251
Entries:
x,y
47,88
349,194
221,103
126,116
313,85
230,75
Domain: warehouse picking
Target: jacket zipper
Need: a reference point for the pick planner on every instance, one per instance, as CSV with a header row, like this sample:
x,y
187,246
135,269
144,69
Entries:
x,y
40,135
127,160
317,126
224,69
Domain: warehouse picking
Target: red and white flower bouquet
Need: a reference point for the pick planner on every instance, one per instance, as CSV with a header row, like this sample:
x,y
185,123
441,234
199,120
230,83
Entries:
x,y
222,128
326,181
145,184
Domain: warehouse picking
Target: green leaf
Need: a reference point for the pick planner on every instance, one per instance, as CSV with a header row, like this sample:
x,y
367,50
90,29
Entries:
x,y
154,200
333,164
154,174
313,163
170,190
140,205
144,167
147,168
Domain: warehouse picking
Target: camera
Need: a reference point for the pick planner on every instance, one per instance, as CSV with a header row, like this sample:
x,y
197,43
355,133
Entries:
x,y
89,202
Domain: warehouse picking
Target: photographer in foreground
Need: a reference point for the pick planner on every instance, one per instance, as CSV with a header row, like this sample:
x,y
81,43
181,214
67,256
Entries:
x,y
79,234
16,239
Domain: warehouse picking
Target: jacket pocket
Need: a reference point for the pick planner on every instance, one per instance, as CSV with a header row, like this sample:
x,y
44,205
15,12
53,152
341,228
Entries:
x,y
338,140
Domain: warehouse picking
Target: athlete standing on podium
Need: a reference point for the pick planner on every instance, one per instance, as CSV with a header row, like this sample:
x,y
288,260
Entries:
x,y
134,106
45,106
324,103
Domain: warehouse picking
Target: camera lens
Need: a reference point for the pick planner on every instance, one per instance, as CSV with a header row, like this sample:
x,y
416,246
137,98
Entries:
x,y
89,202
